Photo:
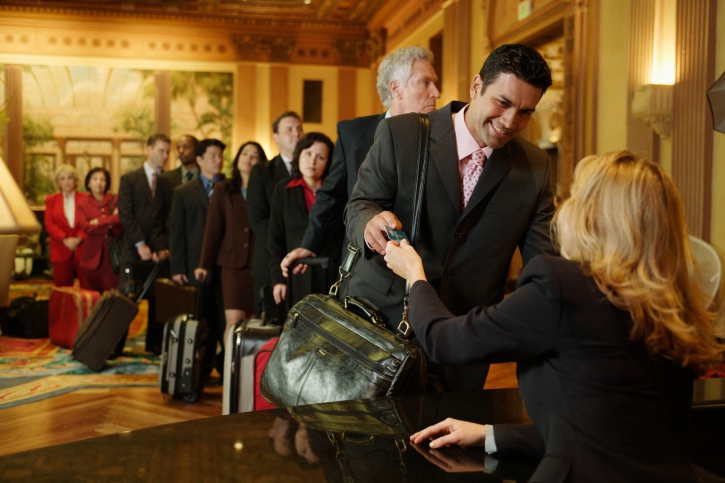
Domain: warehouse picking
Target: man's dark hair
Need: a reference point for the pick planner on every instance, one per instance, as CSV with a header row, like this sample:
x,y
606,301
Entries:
x,y
275,123
520,60
305,142
158,137
98,170
201,146
192,138
236,183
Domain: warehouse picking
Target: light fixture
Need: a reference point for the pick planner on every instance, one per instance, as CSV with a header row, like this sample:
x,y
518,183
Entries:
x,y
652,103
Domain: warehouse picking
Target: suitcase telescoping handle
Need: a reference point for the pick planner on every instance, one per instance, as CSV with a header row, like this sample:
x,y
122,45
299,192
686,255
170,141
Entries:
x,y
199,297
149,280
324,262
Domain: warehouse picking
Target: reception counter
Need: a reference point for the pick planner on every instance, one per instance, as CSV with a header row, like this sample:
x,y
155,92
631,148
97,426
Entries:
x,y
365,440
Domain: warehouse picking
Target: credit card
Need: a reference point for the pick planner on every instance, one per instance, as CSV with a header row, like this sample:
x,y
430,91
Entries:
x,y
396,235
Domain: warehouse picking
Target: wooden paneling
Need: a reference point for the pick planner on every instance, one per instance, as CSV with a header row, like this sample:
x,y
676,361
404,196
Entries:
x,y
641,139
14,125
346,91
692,124
162,102
279,85
245,100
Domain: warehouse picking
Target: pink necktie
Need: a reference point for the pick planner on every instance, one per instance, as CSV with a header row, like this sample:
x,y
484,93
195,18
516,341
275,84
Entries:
x,y
153,185
473,172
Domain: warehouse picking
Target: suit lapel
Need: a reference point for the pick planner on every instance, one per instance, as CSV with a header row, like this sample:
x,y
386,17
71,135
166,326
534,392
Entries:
x,y
298,196
444,153
493,172
200,191
280,169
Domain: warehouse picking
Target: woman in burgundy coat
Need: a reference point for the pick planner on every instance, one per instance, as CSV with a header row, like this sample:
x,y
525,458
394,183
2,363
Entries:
x,y
228,238
98,218
61,223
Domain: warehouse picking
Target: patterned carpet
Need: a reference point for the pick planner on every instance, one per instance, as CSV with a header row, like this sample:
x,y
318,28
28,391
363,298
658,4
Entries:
x,y
34,369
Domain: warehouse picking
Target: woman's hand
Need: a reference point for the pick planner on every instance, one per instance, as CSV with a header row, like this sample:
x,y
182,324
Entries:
x,y
200,275
280,292
404,261
72,243
452,431
94,221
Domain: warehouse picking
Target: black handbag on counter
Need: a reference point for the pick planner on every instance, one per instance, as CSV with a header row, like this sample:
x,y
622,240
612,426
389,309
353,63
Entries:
x,y
332,350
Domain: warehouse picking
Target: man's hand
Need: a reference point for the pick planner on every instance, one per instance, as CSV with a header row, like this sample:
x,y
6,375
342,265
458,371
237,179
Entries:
x,y
296,254
72,243
200,275
280,292
452,432
144,252
160,255
404,261
375,234
180,278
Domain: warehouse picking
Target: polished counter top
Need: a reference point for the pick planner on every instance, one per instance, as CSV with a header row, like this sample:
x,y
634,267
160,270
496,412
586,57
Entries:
x,y
365,440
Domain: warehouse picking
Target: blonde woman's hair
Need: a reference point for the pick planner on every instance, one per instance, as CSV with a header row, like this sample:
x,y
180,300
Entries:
x,y
65,168
625,225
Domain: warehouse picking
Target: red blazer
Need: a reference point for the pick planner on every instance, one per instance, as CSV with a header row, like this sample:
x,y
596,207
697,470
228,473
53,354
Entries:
x,y
58,228
97,240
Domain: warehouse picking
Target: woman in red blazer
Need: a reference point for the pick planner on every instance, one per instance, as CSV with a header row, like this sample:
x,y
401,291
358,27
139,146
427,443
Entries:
x,y
61,223
228,238
98,218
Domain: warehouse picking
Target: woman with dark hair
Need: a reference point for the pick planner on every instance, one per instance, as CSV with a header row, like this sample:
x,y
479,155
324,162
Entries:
x,y
66,237
607,338
292,199
228,238
98,218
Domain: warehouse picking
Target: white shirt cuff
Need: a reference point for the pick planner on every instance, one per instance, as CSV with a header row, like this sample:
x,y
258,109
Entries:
x,y
490,444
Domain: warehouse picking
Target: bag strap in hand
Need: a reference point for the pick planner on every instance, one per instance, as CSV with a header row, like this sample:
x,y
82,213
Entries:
x,y
404,328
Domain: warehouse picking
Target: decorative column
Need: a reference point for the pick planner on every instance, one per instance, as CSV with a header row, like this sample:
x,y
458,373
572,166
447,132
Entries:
x,y
456,51
692,134
162,103
279,91
641,139
14,125
245,96
346,93
115,164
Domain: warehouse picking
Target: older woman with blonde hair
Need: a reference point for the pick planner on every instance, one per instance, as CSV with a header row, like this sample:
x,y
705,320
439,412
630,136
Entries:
x,y
608,338
61,223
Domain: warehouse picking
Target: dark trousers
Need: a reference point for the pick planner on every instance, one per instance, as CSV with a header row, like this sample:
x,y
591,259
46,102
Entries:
x,y
213,312
264,301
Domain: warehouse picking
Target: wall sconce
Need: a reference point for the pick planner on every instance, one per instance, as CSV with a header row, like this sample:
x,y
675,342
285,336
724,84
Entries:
x,y
652,103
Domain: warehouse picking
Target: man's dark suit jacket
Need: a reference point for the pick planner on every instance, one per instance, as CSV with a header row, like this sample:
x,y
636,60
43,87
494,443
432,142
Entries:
x,y
287,225
165,186
188,221
354,138
603,409
466,253
228,239
136,210
259,197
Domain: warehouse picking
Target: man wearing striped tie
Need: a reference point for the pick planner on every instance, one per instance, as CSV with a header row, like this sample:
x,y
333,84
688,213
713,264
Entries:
x,y
487,193
186,237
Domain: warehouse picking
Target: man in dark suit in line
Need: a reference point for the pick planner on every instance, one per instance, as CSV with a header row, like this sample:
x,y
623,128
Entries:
x,y
287,130
136,210
487,192
406,83
186,237
168,181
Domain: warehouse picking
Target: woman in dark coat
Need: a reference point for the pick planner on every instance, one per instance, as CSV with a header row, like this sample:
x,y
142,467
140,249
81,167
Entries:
x,y
228,238
98,218
292,199
61,223
608,338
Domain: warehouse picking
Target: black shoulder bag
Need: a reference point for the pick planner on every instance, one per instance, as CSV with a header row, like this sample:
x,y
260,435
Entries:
x,y
332,350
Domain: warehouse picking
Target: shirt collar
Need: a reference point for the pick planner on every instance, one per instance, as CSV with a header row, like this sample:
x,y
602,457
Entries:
x,y
149,170
387,114
465,142
194,171
206,180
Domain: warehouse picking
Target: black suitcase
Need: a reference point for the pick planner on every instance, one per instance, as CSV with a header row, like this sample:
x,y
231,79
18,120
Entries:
x,y
106,325
182,353
27,317
240,347
314,280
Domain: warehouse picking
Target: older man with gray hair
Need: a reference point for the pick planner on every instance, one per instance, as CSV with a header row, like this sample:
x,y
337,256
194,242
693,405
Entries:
x,y
406,83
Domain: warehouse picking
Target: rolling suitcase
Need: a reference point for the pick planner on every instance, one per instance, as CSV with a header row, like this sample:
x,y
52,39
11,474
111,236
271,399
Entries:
x,y
173,299
314,280
68,309
182,352
106,325
240,361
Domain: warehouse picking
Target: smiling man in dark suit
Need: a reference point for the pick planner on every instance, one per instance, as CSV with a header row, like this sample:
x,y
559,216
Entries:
x,y
287,129
186,236
406,83
136,210
487,193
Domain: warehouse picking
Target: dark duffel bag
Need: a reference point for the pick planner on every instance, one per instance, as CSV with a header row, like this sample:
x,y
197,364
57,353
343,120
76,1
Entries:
x,y
327,352
27,318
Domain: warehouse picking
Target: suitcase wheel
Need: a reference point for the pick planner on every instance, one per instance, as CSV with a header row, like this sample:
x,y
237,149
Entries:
x,y
193,397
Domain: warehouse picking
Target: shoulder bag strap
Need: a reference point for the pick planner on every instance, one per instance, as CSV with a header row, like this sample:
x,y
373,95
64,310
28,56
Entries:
x,y
421,172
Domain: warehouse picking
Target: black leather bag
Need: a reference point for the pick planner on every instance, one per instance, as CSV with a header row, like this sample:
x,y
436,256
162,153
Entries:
x,y
336,351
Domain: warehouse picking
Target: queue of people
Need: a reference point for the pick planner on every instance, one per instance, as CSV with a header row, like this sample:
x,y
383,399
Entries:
x,y
607,323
